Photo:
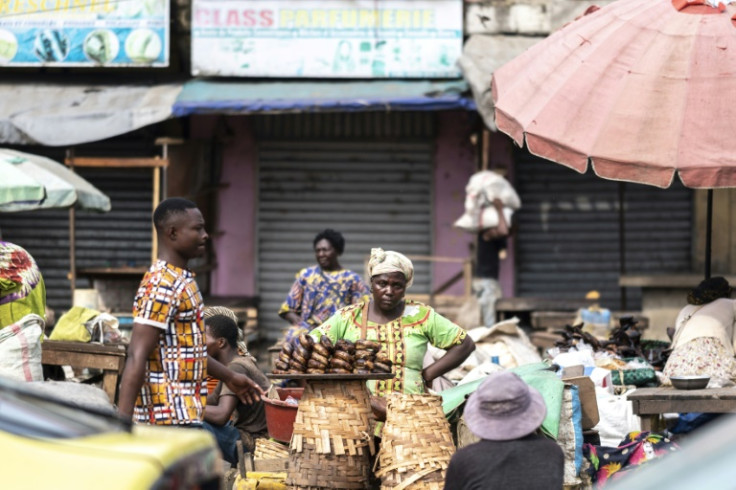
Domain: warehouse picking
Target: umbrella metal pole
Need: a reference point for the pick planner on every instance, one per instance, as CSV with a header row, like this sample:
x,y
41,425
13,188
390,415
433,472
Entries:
x,y
621,241
708,232
72,254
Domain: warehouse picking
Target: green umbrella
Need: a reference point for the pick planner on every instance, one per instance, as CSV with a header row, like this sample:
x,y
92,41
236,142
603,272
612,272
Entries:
x,y
30,182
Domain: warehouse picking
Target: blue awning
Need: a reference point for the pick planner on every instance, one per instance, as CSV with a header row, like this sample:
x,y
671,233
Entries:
x,y
248,97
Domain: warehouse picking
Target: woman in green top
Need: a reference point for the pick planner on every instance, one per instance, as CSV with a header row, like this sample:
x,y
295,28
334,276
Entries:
x,y
403,328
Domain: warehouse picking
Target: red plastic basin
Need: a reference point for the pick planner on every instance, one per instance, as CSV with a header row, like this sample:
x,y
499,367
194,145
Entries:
x,y
280,415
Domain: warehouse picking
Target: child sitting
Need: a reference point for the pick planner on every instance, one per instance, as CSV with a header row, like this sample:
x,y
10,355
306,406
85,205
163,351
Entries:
x,y
225,416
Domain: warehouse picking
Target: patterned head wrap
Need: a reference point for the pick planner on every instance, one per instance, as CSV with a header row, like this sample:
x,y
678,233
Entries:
x,y
382,262
709,290
210,311
22,290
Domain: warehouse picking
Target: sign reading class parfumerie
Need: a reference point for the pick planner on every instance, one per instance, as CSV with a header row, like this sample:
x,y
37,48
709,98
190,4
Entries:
x,y
327,38
84,33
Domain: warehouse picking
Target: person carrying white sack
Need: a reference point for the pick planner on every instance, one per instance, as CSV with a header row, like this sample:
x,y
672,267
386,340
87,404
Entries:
x,y
704,340
489,205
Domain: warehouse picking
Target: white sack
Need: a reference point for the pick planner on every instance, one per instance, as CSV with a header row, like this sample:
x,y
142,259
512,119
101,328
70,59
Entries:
x,y
20,349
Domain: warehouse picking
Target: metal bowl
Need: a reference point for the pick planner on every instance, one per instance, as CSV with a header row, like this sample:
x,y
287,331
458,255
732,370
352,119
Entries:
x,y
690,382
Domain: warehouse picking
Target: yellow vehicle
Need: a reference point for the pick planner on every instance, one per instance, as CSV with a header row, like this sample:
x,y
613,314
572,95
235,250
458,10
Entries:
x,y
46,443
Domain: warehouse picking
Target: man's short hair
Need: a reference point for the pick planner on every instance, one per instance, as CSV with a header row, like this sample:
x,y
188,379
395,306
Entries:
x,y
334,237
222,326
169,207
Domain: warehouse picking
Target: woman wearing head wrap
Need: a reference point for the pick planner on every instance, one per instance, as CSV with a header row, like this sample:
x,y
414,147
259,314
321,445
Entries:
x,y
703,343
22,290
402,328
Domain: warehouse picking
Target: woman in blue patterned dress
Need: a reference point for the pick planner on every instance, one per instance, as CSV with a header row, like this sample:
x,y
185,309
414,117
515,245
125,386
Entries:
x,y
321,290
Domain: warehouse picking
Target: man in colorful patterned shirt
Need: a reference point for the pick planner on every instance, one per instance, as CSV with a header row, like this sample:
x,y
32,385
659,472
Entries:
x,y
164,378
319,291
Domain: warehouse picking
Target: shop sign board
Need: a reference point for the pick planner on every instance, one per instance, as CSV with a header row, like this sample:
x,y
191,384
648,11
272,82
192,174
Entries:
x,y
327,38
69,33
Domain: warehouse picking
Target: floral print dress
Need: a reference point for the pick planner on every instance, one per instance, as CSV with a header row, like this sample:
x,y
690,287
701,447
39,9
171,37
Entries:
x,y
703,354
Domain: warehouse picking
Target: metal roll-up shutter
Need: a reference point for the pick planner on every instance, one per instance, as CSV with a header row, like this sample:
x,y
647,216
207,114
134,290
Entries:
x,y
375,191
121,237
568,232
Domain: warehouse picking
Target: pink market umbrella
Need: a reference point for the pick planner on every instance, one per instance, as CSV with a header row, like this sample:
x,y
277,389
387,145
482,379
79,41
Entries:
x,y
640,89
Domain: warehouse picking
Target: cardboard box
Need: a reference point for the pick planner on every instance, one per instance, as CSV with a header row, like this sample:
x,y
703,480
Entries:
x,y
588,401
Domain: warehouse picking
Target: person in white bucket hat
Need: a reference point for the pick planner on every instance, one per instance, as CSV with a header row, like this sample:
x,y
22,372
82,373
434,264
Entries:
x,y
505,413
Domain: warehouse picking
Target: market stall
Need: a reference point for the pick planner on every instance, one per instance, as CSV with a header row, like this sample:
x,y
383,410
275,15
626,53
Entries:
x,y
108,358
650,403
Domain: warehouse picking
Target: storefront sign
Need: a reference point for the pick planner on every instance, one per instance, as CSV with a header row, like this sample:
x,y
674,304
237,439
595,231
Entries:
x,y
84,32
327,38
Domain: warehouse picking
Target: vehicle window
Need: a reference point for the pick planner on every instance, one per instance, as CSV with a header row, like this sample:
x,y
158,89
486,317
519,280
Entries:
x,y
29,414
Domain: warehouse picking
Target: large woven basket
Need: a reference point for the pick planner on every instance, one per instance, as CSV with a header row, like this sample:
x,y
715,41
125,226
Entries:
x,y
331,443
416,444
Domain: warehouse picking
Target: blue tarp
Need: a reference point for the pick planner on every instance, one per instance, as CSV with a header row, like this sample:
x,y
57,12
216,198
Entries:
x,y
248,97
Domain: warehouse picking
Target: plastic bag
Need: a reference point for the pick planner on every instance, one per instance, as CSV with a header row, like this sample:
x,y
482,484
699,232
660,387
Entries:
x,y
595,320
20,349
72,327
261,480
616,417
104,329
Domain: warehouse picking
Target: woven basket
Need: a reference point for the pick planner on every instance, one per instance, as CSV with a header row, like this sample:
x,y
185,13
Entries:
x,y
416,444
270,456
331,446
268,449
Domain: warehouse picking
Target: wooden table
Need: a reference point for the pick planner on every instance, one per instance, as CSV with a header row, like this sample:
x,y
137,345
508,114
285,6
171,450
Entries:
x,y
109,358
649,403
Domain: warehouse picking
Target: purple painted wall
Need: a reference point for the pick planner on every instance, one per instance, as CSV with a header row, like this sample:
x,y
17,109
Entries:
x,y
233,235
454,164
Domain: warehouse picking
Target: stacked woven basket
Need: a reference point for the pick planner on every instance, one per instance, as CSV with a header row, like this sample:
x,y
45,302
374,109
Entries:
x,y
267,449
270,456
416,445
331,444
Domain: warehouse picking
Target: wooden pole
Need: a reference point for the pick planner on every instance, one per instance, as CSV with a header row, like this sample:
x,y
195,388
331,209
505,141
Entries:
x,y
468,276
155,202
485,149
